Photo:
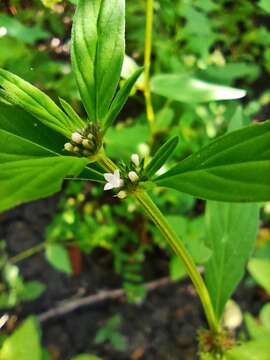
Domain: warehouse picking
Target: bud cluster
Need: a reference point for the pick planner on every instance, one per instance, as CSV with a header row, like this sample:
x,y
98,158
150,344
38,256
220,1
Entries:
x,y
126,178
85,142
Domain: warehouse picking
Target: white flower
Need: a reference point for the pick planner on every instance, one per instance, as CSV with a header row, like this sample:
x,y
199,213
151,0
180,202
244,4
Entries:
x,y
133,177
135,159
113,180
77,137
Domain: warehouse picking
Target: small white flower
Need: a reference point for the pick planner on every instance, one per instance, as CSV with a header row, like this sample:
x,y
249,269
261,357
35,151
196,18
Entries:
x,y
68,147
113,180
133,177
135,159
122,194
77,137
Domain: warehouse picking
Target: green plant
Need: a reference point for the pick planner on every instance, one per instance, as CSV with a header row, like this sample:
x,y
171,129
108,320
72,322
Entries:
x,y
38,156
14,289
109,332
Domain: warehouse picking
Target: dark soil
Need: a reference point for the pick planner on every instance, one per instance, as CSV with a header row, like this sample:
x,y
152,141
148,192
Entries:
x,y
162,327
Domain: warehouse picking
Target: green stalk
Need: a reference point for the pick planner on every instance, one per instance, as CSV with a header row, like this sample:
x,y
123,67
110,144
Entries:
x,y
27,253
161,223
147,64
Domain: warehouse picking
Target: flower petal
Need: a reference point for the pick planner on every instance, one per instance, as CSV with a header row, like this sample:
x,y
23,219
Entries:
x,y
108,186
108,177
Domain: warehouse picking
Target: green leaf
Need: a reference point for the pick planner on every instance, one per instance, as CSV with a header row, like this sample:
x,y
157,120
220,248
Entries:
x,y
72,114
264,5
260,271
32,290
234,168
30,165
161,156
23,180
252,350
189,90
19,92
23,125
121,98
26,34
177,269
58,257
24,343
98,47
232,230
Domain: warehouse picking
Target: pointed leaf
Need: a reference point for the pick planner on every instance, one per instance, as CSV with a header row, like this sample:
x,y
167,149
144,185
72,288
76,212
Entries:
x,y
77,121
21,135
19,92
98,47
235,168
121,98
160,157
189,90
232,230
58,256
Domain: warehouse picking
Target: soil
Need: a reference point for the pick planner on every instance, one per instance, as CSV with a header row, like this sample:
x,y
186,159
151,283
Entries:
x,y
162,327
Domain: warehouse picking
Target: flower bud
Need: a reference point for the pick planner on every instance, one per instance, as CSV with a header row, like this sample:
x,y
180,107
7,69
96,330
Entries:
x,y
135,159
90,136
86,153
68,147
87,144
133,177
77,137
122,194
76,149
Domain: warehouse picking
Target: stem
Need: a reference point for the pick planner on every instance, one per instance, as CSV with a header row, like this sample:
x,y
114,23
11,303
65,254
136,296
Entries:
x,y
147,64
27,253
159,220
106,163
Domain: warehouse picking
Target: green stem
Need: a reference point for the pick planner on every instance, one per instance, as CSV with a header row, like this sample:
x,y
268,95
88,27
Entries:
x,y
27,253
159,220
147,64
106,163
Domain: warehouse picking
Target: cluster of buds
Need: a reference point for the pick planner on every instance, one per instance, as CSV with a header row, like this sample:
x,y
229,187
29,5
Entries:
x,y
85,142
131,178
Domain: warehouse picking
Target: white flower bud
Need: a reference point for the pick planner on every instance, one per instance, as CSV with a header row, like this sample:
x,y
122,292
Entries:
x,y
76,149
68,147
87,144
90,136
77,138
133,177
135,159
122,194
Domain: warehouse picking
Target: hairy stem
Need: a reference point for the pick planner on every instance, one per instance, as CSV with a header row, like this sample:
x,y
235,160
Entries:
x,y
147,64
